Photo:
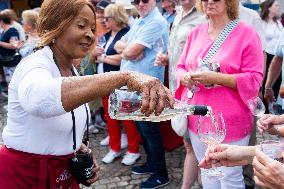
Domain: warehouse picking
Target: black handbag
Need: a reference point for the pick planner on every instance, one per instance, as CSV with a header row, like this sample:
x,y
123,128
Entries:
x,y
82,164
10,61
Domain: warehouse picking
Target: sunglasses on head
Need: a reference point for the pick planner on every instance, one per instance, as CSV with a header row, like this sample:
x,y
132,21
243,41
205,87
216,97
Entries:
x,y
136,2
208,0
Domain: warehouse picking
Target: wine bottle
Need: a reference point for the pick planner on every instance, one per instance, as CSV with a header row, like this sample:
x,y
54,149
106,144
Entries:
x,y
125,105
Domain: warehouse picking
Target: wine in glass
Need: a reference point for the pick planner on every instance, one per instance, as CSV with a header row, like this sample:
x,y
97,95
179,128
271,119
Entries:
x,y
212,131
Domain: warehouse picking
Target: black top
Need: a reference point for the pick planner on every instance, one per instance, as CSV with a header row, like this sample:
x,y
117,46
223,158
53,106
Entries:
x,y
111,51
5,37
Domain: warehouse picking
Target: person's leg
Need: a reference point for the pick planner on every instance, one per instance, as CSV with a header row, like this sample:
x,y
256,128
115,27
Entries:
x,y
133,137
247,169
233,177
199,150
151,135
190,167
114,130
147,167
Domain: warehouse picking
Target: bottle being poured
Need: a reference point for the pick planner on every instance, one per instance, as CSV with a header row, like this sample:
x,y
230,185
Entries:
x,y
125,105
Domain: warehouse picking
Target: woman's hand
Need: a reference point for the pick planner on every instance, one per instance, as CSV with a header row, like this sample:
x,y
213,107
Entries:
x,y
100,58
162,60
97,51
84,148
155,96
269,95
227,155
187,81
268,173
95,170
266,122
206,77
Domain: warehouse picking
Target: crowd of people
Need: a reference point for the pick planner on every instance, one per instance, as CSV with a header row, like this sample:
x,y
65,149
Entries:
x,y
75,52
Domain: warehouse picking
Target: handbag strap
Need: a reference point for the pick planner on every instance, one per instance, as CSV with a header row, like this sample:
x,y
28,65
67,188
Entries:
x,y
74,128
219,41
73,115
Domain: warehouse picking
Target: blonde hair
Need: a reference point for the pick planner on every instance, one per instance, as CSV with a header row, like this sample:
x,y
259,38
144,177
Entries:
x,y
31,17
232,8
118,14
57,15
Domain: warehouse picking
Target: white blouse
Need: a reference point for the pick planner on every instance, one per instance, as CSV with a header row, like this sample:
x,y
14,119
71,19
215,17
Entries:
x,y
272,35
37,122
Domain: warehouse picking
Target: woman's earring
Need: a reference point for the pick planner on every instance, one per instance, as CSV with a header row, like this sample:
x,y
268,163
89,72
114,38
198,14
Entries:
x,y
53,41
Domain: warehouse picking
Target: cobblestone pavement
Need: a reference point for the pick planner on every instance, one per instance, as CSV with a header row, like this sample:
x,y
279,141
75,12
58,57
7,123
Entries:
x,y
116,175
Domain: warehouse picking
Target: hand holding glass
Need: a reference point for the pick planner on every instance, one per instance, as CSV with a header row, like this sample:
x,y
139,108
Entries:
x,y
15,41
159,46
101,42
257,108
212,131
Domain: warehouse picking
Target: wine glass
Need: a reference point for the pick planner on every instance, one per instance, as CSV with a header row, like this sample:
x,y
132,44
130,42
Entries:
x,y
272,148
256,107
159,46
101,41
14,40
212,131
196,69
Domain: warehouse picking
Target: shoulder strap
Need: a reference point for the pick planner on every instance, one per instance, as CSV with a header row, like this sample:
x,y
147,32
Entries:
x,y
74,129
219,41
73,115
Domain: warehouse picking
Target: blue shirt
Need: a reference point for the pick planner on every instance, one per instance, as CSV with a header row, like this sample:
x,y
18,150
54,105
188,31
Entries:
x,y
147,31
280,46
169,18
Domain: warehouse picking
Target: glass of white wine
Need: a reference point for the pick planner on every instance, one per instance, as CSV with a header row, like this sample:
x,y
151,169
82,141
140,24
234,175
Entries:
x,y
212,131
257,109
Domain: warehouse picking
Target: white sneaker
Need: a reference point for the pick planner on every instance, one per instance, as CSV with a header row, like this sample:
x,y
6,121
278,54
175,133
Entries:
x,y
93,129
105,141
111,155
130,158
123,141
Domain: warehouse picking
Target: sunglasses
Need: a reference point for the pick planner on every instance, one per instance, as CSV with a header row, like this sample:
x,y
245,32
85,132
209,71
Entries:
x,y
213,0
107,18
136,2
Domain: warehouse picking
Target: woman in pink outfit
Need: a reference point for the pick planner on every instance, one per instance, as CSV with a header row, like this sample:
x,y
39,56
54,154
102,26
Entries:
x,y
241,64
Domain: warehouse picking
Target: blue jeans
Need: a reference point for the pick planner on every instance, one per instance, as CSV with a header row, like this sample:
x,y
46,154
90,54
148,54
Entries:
x,y
153,146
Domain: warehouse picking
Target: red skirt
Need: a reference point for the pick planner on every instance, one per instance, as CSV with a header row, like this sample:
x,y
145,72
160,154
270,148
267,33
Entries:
x,y
21,170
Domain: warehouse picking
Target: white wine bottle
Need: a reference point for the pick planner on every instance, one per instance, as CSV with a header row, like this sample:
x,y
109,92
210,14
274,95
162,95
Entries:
x,y
125,105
